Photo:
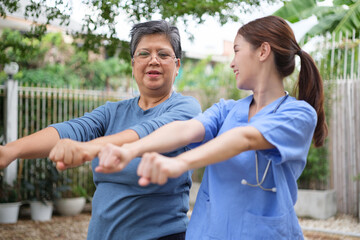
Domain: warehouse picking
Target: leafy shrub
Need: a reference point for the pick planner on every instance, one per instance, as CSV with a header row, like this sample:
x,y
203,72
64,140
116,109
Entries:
x,y
316,172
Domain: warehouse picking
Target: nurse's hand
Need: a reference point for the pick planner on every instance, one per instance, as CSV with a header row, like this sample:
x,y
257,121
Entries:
x,y
113,158
68,153
156,168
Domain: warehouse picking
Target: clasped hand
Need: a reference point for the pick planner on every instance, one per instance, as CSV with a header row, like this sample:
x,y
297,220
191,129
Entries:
x,y
153,168
68,153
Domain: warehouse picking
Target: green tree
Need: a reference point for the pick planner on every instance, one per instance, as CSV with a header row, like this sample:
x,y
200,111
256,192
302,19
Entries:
x,y
17,47
52,62
102,16
342,16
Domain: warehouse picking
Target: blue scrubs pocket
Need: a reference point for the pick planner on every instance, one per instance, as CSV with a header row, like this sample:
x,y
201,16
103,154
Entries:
x,y
270,228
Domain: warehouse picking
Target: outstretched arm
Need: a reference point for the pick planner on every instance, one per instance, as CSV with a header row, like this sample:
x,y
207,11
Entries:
x,y
156,168
90,130
69,153
167,138
36,145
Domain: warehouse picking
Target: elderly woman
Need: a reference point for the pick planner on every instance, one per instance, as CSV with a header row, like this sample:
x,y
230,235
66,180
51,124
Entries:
x,y
121,209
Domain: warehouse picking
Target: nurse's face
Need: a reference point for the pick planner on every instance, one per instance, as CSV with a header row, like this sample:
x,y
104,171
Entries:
x,y
155,65
244,64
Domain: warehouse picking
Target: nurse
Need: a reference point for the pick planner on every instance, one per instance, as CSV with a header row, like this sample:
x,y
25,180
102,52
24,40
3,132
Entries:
x,y
254,148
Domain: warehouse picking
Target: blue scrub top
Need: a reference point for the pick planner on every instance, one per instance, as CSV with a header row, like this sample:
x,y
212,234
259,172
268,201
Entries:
x,y
227,209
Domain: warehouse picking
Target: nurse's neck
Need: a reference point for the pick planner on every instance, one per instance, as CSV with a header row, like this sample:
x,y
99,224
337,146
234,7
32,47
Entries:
x,y
263,97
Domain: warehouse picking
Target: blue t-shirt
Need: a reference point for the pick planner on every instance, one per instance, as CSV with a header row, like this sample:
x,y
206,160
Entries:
x,y
121,209
227,209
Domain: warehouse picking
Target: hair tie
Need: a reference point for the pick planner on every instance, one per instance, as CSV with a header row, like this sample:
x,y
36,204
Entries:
x,y
299,52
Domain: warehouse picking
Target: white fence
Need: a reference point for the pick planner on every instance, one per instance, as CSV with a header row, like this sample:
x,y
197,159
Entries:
x,y
338,58
40,106
345,144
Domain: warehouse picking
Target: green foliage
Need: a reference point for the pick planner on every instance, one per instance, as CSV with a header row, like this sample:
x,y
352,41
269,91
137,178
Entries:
x,y
16,47
52,62
8,5
357,178
316,172
291,12
74,192
9,193
108,73
210,80
105,73
52,75
100,23
47,184
343,16
78,191
43,184
67,186
3,77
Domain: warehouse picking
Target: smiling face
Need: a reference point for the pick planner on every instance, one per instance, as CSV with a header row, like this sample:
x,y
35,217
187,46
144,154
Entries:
x,y
245,63
155,73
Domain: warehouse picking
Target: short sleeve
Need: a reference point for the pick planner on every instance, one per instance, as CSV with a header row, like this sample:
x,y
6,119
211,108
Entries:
x,y
290,130
213,118
90,126
178,109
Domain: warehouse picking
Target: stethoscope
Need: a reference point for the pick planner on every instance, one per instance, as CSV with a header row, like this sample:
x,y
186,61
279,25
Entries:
x,y
259,184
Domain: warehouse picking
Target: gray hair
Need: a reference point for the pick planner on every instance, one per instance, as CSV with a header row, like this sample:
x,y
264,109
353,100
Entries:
x,y
155,27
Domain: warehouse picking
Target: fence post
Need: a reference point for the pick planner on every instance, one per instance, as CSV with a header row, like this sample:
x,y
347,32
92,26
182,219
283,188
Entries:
x,y
11,116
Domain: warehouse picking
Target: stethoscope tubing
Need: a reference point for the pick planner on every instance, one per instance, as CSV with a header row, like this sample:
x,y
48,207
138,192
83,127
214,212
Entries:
x,y
259,183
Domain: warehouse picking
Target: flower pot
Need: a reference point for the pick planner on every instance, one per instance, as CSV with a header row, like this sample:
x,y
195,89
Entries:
x,y
317,204
9,212
41,211
70,206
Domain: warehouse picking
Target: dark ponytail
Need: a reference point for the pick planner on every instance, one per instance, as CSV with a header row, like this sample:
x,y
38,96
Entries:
x,y
281,38
310,89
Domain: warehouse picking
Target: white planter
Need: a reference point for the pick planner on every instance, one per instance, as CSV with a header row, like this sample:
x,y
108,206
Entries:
x,y
9,212
70,206
41,211
317,204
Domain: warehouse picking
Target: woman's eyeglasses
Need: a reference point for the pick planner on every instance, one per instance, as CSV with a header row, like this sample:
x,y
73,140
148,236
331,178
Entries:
x,y
163,57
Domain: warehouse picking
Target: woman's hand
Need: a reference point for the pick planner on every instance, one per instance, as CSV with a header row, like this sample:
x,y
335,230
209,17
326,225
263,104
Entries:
x,y
113,158
68,153
5,157
156,168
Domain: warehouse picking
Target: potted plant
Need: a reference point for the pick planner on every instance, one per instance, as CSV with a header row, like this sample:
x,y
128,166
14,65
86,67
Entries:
x,y
315,200
41,190
72,201
72,197
10,201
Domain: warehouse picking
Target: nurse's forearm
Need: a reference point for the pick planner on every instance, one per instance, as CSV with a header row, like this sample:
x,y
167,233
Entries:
x,y
168,138
225,146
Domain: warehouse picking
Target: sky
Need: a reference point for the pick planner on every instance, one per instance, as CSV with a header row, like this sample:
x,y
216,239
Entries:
x,y
209,36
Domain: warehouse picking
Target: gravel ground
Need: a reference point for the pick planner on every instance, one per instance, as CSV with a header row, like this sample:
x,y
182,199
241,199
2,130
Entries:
x,y
59,228
335,228
63,228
